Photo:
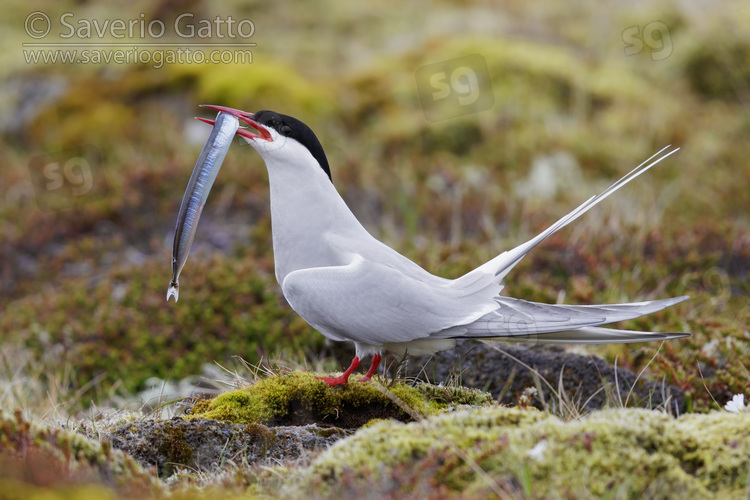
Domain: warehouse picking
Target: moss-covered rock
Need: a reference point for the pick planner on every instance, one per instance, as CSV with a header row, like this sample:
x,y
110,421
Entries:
x,y
300,398
209,445
626,452
38,455
278,419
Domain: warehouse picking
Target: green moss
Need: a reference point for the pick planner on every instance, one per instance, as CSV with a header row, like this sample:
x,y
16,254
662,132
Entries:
x,y
613,452
300,398
332,431
174,447
261,434
200,406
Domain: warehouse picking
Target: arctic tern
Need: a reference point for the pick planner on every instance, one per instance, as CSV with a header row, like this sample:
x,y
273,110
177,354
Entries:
x,y
352,287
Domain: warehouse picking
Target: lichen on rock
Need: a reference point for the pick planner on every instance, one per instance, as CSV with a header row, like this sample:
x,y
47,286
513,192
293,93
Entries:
x,y
206,445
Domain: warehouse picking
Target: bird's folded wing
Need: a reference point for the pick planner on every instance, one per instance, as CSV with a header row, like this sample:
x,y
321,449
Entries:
x,y
373,303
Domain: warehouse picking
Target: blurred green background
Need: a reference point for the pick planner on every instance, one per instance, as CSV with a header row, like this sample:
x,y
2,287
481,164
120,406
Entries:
x,y
96,155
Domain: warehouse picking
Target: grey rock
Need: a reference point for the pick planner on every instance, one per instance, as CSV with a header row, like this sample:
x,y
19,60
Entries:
x,y
209,445
588,382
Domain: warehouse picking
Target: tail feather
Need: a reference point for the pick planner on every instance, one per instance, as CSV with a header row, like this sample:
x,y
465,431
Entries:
x,y
593,335
495,270
519,318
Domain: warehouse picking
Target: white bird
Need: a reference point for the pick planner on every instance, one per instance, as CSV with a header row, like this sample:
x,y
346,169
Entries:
x,y
352,287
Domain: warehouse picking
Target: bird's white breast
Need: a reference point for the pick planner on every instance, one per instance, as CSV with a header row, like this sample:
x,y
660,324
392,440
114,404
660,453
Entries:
x,y
305,210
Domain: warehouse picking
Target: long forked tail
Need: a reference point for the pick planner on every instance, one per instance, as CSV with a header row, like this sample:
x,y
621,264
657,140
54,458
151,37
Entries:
x,y
497,268
594,335
517,320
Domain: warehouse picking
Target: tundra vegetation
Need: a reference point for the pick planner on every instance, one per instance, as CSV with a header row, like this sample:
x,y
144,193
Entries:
x,y
90,349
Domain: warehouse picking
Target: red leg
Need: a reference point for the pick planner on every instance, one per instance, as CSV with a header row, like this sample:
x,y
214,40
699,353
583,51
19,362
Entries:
x,y
374,366
344,377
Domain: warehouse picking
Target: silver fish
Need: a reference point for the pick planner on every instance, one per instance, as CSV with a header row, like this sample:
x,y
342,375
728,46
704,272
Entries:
x,y
204,174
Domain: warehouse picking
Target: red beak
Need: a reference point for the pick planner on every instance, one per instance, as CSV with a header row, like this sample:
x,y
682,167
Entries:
x,y
246,117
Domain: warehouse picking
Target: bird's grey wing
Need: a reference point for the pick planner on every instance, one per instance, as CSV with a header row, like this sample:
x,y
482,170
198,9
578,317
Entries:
x,y
515,317
372,303
495,270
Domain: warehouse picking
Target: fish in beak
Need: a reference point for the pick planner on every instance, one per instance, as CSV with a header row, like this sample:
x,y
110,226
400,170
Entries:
x,y
226,125
246,117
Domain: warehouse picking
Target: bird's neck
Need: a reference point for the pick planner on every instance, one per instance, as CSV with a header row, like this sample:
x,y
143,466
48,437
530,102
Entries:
x,y
305,209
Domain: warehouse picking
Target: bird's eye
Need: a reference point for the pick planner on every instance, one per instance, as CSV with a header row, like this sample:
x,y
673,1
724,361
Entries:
x,y
286,130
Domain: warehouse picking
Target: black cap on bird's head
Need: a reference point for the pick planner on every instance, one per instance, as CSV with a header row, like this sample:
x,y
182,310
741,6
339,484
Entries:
x,y
284,125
